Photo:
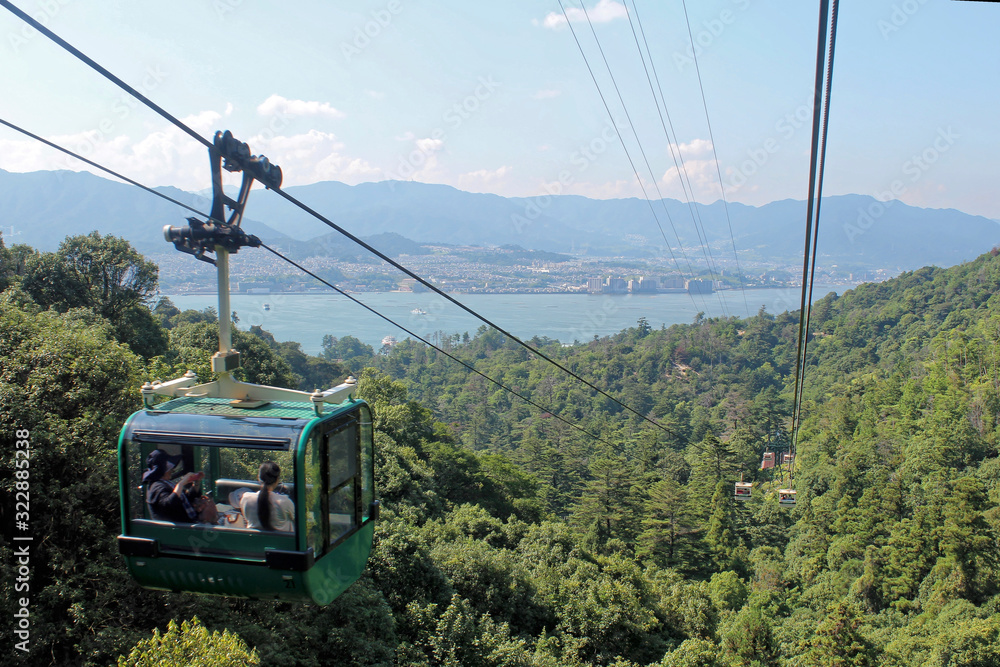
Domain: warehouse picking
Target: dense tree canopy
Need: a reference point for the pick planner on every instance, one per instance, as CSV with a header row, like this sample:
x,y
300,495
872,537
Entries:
x,y
509,538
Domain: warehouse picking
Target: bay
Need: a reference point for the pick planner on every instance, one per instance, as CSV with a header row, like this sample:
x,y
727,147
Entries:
x,y
307,317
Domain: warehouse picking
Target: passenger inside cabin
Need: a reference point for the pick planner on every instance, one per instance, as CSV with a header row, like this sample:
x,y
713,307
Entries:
x,y
168,499
266,509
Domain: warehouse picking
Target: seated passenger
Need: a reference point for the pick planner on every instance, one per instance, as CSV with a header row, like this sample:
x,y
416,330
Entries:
x,y
265,509
168,500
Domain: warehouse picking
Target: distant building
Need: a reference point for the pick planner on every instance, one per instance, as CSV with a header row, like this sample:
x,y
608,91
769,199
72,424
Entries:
x,y
607,285
699,286
616,286
672,283
642,285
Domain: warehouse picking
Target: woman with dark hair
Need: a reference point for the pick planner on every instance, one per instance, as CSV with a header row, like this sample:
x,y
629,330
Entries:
x,y
267,510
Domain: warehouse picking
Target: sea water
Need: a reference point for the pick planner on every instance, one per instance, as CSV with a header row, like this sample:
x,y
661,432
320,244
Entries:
x,y
570,318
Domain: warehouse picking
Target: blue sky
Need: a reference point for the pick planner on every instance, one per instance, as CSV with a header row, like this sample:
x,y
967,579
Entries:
x,y
495,97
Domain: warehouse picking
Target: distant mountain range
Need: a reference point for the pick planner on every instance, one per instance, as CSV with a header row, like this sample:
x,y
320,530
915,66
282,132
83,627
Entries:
x,y
41,208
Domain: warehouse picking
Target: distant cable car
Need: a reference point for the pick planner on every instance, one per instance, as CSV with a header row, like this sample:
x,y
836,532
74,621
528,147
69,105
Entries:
x,y
786,497
787,458
743,490
768,461
222,431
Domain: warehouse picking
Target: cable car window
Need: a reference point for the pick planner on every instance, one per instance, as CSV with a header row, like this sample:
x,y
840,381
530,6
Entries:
x,y
342,451
367,463
342,447
229,472
313,498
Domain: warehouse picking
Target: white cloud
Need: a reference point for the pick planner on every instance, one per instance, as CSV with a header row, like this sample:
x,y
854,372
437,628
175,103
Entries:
x,y
278,104
483,178
429,145
699,169
313,156
168,156
603,12
547,94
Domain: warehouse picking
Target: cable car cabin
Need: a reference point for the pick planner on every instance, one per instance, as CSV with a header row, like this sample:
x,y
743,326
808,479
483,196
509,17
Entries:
x,y
743,490
786,497
768,461
326,462
786,458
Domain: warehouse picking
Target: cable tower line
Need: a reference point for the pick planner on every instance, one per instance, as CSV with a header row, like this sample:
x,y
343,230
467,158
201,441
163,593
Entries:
x,y
688,192
822,91
632,164
718,170
432,345
98,166
338,228
652,175
82,56
310,273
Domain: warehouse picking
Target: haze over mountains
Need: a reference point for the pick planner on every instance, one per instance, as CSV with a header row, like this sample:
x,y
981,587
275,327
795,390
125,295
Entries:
x,y
41,208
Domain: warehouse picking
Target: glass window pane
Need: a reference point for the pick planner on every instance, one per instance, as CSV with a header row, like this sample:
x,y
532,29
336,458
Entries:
x,y
342,511
343,455
367,463
314,497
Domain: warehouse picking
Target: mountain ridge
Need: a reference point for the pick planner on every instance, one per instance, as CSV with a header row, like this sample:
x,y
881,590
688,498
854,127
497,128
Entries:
x,y
41,208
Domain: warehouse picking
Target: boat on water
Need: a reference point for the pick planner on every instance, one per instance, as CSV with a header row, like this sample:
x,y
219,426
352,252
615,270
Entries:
x,y
418,311
267,306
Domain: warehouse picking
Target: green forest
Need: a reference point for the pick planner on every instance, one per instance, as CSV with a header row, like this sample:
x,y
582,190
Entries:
x,y
508,537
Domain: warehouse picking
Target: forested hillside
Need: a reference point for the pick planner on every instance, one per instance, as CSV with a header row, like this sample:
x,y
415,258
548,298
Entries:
x,y
510,538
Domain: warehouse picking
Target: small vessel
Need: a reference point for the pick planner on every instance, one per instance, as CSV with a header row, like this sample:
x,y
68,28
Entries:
x,y
418,311
267,306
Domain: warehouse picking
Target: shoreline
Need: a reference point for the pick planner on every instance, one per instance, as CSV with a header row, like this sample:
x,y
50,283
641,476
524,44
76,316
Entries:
x,y
498,293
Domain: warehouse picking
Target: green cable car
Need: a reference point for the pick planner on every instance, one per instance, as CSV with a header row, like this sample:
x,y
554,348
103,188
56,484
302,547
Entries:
x,y
219,434
326,462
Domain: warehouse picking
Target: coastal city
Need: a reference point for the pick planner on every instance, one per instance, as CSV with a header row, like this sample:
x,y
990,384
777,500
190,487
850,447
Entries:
x,y
495,270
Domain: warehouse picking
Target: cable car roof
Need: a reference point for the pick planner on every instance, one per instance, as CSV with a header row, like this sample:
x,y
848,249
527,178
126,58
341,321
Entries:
x,y
214,421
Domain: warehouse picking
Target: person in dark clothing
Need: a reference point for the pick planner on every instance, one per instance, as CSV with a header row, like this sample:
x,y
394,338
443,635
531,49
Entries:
x,y
166,498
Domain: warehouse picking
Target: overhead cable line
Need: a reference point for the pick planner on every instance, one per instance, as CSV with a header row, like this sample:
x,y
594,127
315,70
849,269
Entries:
x,y
98,166
705,249
82,56
679,165
699,225
310,273
718,170
437,290
628,156
336,227
821,115
442,351
635,134
682,174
